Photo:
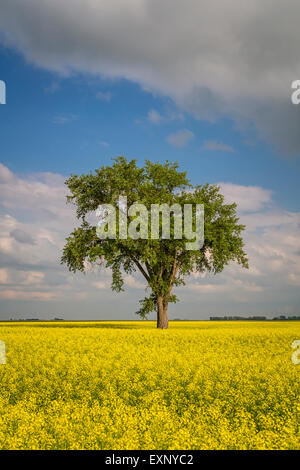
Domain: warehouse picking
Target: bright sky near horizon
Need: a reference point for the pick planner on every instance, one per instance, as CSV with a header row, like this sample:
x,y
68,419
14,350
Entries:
x,y
208,86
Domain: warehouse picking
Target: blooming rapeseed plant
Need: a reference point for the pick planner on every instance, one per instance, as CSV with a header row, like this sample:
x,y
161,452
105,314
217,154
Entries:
x,y
127,385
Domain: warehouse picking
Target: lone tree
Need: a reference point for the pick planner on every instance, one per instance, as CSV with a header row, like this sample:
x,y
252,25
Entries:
x,y
164,263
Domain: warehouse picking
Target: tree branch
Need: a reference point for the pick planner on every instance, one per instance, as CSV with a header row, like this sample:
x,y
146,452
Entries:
x,y
141,268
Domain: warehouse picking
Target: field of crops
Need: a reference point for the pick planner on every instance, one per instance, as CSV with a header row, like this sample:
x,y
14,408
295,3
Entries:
x,y
125,385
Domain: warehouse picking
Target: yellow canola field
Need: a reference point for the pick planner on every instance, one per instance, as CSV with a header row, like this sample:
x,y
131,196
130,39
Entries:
x,y
126,385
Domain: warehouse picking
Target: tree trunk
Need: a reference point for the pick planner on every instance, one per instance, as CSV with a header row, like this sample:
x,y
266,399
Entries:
x,y
162,315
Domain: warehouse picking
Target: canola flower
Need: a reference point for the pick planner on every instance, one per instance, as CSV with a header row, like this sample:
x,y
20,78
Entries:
x,y
126,385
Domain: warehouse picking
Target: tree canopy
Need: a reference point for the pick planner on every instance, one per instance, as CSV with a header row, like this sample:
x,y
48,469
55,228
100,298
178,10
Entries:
x,y
164,263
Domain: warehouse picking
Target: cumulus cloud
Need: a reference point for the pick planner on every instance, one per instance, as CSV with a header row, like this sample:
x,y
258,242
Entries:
x,y
232,58
6,176
22,237
272,245
167,116
229,287
15,294
34,222
104,96
248,198
180,138
155,117
218,146
133,282
102,284
53,87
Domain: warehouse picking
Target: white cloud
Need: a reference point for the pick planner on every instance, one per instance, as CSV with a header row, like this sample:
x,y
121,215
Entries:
x,y
32,277
102,284
154,117
207,288
4,277
232,58
104,96
53,87
217,146
180,138
273,247
10,294
22,237
248,198
131,281
35,205
64,119
168,115
34,221
228,287
6,176
294,279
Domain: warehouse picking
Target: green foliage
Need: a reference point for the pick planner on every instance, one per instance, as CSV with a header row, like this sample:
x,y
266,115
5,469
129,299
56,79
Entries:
x,y
163,263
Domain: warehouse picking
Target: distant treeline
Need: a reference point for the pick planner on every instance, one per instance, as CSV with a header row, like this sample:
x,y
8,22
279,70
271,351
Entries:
x,y
35,319
254,318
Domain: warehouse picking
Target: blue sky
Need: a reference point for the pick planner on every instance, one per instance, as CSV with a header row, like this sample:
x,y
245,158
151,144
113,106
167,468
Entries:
x,y
57,124
70,111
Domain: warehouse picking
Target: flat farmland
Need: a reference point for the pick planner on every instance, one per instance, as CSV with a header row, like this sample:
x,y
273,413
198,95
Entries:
x,y
127,385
